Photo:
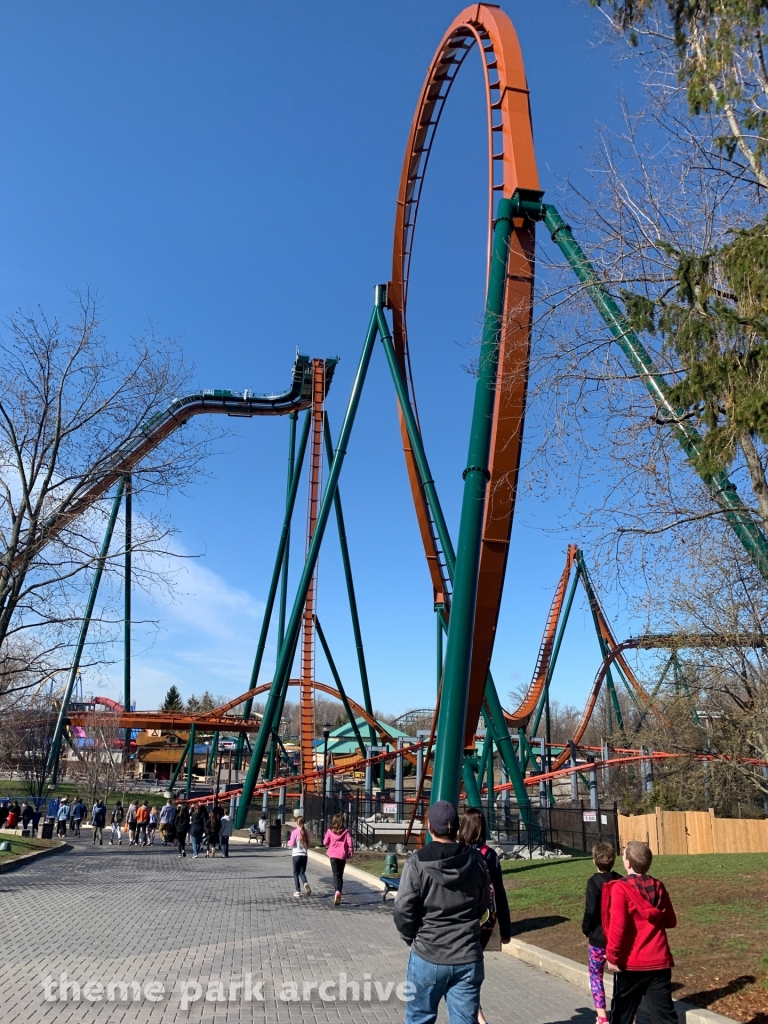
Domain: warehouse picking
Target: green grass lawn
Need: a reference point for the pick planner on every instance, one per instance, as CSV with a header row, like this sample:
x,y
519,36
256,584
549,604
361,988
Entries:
x,y
21,845
18,788
719,944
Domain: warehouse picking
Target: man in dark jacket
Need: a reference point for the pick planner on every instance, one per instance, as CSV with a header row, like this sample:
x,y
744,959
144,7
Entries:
x,y
98,820
443,896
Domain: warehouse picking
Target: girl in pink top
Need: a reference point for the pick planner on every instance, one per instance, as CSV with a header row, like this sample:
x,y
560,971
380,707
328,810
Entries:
x,y
339,843
300,842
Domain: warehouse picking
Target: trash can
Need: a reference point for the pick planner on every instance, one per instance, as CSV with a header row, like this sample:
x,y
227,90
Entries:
x,y
273,835
46,830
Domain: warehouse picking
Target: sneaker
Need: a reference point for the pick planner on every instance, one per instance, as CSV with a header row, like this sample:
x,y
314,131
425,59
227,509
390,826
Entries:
x,y
297,895
307,889
337,898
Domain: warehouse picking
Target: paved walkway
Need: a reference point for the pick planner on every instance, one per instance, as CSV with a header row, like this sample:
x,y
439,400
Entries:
x,y
201,928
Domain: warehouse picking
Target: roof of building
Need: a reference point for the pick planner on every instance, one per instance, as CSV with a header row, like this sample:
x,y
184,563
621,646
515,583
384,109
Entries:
x,y
342,740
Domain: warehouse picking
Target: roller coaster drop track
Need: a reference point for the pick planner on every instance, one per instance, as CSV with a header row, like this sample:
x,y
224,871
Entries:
x,y
128,455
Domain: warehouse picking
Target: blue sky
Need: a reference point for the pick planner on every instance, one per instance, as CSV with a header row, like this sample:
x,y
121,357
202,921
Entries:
x,y
228,173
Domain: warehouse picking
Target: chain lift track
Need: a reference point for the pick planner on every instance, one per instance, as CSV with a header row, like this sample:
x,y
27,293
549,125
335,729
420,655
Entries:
x,y
307,696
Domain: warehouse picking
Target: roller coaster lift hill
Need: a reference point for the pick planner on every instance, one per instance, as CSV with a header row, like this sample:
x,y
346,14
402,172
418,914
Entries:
x,y
467,581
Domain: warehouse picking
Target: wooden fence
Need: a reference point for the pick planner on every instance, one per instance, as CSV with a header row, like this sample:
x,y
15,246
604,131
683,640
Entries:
x,y
694,832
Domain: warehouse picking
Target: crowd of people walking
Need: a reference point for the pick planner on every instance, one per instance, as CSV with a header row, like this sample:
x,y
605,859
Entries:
x,y
449,901
207,828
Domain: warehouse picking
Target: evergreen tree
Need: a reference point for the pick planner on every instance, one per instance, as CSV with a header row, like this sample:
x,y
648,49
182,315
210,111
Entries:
x,y
173,700
199,705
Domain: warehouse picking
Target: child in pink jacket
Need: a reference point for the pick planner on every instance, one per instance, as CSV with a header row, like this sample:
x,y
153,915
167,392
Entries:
x,y
339,843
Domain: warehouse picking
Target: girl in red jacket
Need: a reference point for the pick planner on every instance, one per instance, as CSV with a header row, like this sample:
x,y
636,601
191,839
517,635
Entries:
x,y
636,913
339,843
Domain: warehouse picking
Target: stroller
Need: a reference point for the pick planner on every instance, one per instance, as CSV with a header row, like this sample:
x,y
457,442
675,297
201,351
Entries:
x,y
258,831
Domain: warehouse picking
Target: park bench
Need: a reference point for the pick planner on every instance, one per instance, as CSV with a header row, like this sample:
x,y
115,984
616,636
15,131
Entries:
x,y
390,884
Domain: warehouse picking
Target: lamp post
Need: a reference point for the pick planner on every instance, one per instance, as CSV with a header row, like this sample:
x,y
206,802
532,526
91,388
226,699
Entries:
x,y
326,734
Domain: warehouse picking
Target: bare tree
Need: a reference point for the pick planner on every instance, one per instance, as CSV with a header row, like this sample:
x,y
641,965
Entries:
x,y
68,402
25,733
99,767
712,55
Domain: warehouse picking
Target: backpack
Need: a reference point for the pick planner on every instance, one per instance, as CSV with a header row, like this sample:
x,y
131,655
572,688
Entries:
x,y
490,922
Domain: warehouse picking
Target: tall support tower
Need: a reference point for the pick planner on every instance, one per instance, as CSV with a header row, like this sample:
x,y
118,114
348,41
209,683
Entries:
x,y
307,692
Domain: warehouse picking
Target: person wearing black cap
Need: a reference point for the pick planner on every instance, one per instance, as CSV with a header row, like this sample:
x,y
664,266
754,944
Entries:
x,y
443,895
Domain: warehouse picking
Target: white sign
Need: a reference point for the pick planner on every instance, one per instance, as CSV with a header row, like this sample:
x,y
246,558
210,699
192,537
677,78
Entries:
x,y
590,816
604,819
389,809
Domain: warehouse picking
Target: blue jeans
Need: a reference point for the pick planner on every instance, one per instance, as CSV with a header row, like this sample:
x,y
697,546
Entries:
x,y
197,842
459,984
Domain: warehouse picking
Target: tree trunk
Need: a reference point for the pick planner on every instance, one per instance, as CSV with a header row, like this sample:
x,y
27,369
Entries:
x,y
756,475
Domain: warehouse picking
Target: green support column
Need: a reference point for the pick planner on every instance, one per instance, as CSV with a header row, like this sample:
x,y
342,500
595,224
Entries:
x,y
592,598
127,606
282,549
458,654
483,760
503,739
506,747
190,759
439,610
288,508
491,816
345,560
210,765
720,487
419,454
179,766
342,692
269,772
279,688
52,765
555,652
469,770
548,738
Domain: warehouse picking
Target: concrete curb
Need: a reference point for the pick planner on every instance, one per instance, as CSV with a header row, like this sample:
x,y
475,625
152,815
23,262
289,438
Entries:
x,y
350,871
578,974
26,858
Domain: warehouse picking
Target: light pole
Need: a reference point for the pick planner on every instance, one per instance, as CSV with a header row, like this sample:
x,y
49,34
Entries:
x,y
326,734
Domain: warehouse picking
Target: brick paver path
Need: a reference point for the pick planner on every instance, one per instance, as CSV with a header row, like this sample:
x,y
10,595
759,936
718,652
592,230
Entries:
x,y
137,917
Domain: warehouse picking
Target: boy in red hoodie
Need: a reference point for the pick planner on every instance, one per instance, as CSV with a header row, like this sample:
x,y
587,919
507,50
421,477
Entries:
x,y
636,913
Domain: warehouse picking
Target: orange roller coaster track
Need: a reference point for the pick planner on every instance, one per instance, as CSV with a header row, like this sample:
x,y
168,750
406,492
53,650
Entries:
x,y
219,718
512,168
